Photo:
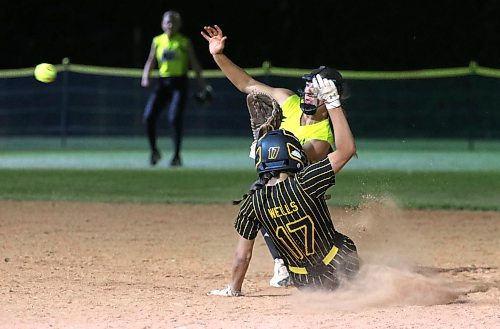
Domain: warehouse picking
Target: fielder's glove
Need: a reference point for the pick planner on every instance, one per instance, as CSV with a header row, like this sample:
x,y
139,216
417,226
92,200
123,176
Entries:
x,y
265,113
226,292
327,91
204,96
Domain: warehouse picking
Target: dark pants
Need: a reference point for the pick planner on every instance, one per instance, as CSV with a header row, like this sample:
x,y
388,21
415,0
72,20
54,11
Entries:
x,y
344,267
173,91
270,244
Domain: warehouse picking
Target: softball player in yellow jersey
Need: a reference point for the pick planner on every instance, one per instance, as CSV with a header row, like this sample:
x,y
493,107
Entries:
x,y
173,53
306,110
304,116
320,131
290,204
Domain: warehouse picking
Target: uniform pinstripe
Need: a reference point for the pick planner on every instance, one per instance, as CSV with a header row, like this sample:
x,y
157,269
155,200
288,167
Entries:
x,y
296,215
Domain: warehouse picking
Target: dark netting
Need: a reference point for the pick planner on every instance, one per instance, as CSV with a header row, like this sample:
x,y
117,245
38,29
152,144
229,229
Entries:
x,y
460,107
95,105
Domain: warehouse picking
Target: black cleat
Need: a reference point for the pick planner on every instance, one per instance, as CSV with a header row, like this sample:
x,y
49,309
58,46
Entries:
x,y
175,162
155,157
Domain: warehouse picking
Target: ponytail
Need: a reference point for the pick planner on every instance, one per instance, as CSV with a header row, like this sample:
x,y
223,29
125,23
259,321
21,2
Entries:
x,y
263,179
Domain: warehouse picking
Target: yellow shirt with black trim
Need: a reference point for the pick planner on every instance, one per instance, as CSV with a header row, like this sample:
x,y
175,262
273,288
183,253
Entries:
x,y
291,111
171,54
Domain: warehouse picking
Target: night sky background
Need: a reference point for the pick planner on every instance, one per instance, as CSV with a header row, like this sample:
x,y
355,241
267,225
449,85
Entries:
x,y
348,35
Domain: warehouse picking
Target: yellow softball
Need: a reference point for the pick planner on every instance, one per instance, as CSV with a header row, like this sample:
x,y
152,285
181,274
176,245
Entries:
x,y
45,72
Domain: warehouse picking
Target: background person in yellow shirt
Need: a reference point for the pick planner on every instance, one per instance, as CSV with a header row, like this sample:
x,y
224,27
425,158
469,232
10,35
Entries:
x,y
174,54
305,115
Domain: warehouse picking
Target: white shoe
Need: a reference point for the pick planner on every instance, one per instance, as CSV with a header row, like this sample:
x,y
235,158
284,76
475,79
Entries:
x,y
281,276
226,292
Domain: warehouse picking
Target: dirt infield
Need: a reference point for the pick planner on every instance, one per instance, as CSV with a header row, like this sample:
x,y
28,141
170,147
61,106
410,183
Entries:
x,y
87,265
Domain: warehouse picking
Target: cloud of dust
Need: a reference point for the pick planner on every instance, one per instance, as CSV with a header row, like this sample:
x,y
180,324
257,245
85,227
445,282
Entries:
x,y
382,233
379,286
387,247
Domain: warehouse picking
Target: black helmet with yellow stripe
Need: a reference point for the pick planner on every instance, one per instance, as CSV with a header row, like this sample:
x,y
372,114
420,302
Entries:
x,y
279,150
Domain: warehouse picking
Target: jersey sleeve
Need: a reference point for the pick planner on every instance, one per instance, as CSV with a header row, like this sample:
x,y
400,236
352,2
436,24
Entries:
x,y
246,223
317,178
157,40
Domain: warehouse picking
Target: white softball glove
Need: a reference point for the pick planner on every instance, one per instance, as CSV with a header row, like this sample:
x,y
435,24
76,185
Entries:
x,y
327,91
226,292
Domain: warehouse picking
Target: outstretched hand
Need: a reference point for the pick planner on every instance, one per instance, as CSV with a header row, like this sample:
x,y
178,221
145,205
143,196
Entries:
x,y
216,39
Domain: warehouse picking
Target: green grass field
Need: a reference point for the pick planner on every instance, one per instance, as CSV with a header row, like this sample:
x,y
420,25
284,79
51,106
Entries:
x,y
416,174
457,190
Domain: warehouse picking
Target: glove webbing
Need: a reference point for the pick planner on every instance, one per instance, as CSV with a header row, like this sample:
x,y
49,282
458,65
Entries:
x,y
265,113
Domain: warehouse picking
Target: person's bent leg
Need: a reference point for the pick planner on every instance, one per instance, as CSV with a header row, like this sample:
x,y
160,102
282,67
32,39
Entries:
x,y
281,277
151,114
270,244
176,121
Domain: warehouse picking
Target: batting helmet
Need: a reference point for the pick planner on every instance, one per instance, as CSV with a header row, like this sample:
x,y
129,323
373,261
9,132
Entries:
x,y
327,73
279,150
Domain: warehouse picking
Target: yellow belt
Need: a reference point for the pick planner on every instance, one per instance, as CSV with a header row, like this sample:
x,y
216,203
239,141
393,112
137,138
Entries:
x,y
328,258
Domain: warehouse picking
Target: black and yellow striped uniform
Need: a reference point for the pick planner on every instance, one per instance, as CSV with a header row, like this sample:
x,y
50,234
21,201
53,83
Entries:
x,y
296,215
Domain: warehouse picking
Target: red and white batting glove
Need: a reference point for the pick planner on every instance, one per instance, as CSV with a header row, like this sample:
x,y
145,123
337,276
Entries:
x,y
327,91
227,292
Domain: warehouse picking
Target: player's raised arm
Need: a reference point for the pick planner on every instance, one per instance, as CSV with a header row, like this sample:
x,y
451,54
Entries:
x,y
344,140
238,77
